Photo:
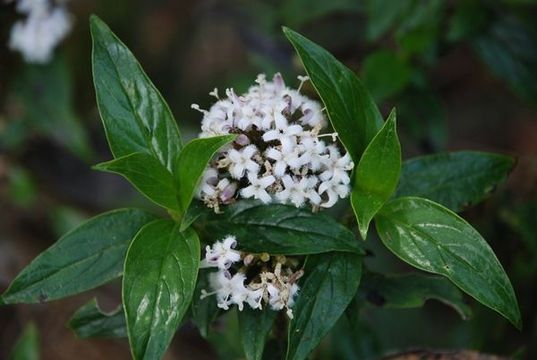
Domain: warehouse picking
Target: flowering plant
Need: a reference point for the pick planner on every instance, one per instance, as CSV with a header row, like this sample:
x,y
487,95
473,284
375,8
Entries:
x,y
253,189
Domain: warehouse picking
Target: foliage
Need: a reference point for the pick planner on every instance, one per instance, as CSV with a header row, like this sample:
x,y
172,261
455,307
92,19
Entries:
x,y
159,258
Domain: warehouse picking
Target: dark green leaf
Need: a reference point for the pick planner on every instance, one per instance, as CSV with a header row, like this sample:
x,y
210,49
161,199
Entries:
x,y
255,327
376,175
385,74
43,97
91,322
86,257
456,179
509,49
281,229
191,164
135,116
27,347
432,238
194,211
411,291
204,311
351,109
331,281
160,276
147,175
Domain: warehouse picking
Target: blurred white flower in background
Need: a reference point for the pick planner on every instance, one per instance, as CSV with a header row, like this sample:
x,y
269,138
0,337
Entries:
x,y
44,27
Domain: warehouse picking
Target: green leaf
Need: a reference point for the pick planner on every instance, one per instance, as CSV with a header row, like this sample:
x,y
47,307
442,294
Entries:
x,y
411,291
192,162
331,283
376,175
147,175
255,327
385,74
43,98
135,116
455,180
27,347
88,256
350,107
194,211
432,238
91,322
281,229
160,276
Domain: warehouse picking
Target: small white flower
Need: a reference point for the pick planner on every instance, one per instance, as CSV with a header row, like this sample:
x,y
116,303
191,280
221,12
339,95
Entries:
x,y
221,254
257,188
283,131
241,161
283,160
338,167
333,190
229,289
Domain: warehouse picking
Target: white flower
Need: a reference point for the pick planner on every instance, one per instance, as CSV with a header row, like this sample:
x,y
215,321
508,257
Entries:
x,y
283,160
229,289
37,35
337,167
221,254
333,190
278,137
257,187
241,161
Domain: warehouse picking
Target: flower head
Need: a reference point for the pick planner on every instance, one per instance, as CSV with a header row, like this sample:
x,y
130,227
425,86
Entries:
x,y
278,153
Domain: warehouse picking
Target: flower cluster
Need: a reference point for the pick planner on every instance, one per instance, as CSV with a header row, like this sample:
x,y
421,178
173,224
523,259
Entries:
x,y
278,155
44,27
261,279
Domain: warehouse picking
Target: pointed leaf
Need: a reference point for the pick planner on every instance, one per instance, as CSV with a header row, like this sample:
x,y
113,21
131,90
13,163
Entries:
x,y
411,291
135,116
455,180
147,175
160,276
88,256
27,347
281,229
255,327
331,282
91,322
351,109
432,238
376,175
191,164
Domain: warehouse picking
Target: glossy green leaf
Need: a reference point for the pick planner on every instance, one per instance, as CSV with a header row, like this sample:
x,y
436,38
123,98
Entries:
x,y
135,116
91,322
88,256
191,164
255,327
281,229
27,347
411,291
376,175
159,280
147,175
204,311
432,238
350,107
331,282
455,180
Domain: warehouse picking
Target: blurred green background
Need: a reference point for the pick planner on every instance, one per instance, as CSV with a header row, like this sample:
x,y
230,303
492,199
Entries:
x,y
462,74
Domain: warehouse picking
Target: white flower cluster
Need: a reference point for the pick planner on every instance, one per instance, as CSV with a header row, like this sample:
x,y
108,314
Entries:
x,y
278,154
44,27
273,281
